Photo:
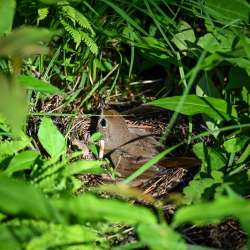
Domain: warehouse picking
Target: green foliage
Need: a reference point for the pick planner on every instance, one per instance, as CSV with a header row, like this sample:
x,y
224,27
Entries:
x,y
69,17
80,50
55,143
7,11
30,82
216,109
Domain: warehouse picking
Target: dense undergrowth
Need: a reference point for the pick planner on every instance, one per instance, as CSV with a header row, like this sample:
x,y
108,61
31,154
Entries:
x,y
191,57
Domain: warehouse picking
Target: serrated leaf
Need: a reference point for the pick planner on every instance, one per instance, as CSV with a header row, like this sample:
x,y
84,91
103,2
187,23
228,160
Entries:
x,y
12,147
51,138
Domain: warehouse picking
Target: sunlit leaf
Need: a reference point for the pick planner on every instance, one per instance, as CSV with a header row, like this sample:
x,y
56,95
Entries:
x,y
21,161
215,108
235,144
228,11
51,138
7,11
84,167
17,197
30,82
89,207
24,41
210,157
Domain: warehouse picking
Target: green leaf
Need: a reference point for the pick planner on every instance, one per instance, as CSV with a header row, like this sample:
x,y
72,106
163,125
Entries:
x,y
30,82
97,136
184,37
215,108
89,207
228,11
160,237
12,147
84,167
24,41
245,154
16,197
7,12
196,188
214,212
8,241
51,138
22,161
217,42
210,157
236,144
60,235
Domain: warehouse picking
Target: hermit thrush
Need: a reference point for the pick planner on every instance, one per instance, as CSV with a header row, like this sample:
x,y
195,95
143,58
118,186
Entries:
x,y
128,150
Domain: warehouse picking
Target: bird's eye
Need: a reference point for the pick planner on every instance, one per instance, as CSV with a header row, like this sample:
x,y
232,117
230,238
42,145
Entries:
x,y
103,123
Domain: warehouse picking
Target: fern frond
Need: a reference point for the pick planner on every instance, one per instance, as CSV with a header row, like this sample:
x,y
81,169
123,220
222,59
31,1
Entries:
x,y
73,32
42,13
76,16
12,147
89,42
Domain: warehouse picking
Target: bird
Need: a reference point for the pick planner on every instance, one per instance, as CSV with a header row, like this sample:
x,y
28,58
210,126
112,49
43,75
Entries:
x,y
128,149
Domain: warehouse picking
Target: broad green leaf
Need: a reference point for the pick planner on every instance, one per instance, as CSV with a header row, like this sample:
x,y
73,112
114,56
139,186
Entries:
x,y
17,197
30,82
185,36
210,157
24,41
8,240
217,42
228,11
7,12
89,207
196,188
215,108
160,237
51,138
214,212
236,144
84,167
22,161
12,102
60,235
